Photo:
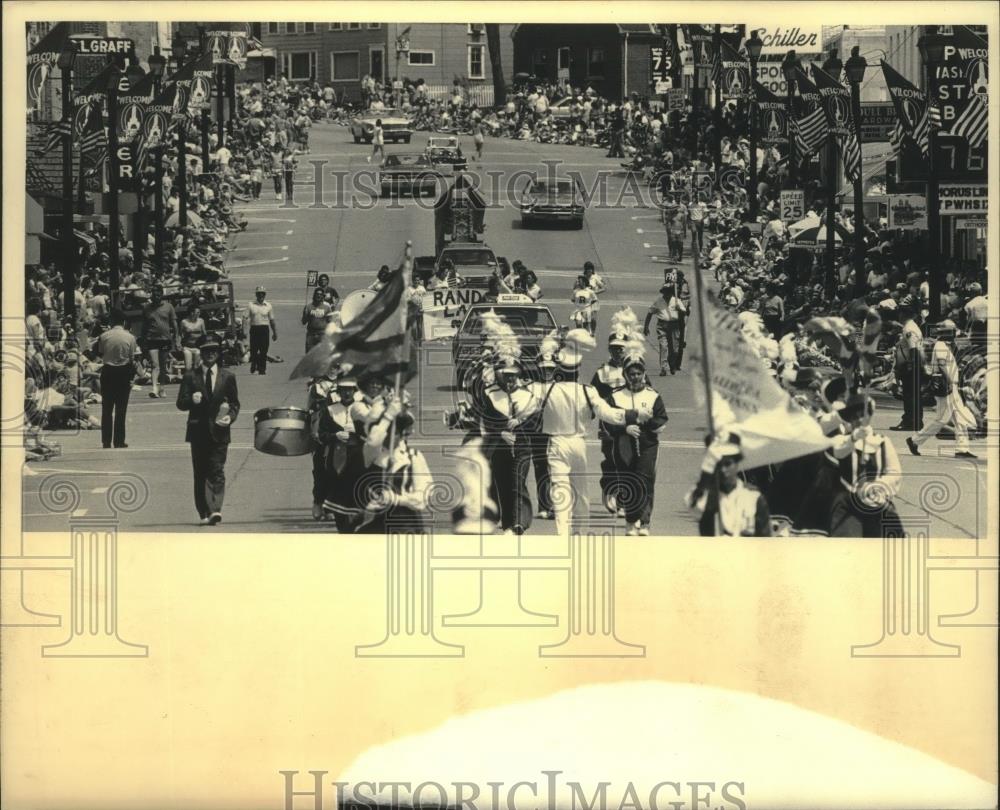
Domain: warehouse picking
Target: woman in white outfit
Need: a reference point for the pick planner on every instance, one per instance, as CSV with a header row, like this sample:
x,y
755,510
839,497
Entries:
x,y
950,407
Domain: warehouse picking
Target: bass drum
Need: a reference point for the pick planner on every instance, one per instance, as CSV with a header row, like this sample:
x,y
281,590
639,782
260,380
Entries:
x,y
282,431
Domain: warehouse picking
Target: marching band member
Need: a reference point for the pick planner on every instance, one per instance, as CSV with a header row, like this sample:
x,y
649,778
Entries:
x,y
508,451
320,390
336,435
584,317
725,505
870,475
372,390
637,446
606,380
396,477
567,407
546,364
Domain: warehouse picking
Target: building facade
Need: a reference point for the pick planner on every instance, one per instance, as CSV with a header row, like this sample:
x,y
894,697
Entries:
x,y
344,53
873,42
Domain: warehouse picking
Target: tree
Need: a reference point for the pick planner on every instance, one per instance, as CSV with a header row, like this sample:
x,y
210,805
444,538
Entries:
x,y
493,45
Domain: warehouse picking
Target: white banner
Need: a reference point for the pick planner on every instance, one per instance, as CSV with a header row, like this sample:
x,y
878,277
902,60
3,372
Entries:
x,y
963,199
444,310
908,212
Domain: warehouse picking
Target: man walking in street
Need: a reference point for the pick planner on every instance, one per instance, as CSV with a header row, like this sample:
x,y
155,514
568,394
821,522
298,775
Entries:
x,y
208,393
261,316
909,365
668,311
159,336
117,347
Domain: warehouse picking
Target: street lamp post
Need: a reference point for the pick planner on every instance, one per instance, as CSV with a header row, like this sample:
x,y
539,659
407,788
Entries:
x,y
402,47
157,65
717,109
114,79
790,68
135,74
833,67
932,53
753,47
179,52
855,70
66,231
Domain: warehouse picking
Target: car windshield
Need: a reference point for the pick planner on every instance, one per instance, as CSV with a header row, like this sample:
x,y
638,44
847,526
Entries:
x,y
523,320
437,143
471,256
405,160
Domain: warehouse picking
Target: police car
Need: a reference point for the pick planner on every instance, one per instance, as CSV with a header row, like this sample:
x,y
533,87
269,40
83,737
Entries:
x,y
531,322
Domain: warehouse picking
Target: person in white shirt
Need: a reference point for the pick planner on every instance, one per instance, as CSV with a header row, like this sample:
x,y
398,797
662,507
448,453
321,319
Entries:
x,y
378,142
668,310
261,315
977,310
567,407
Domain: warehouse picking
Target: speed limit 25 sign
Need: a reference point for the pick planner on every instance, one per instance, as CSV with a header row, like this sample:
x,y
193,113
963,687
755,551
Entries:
x,y
793,205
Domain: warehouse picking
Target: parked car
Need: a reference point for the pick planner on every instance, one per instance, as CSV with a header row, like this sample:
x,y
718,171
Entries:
x,y
395,126
558,201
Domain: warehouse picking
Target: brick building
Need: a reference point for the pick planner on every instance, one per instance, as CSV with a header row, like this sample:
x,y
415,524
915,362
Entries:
x,y
343,53
616,60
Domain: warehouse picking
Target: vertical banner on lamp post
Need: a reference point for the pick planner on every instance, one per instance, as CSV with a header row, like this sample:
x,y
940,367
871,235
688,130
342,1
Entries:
x,y
771,116
735,72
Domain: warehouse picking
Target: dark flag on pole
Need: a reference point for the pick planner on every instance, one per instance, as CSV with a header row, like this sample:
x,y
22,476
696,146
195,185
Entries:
x,y
912,112
772,116
42,58
836,101
811,130
735,72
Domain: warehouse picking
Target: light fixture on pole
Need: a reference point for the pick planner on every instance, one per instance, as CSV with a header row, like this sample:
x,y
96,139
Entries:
x,y
68,243
855,71
402,48
931,48
790,68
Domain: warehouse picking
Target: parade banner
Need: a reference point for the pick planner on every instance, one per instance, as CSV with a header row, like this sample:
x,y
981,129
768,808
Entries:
x,y
228,43
700,38
42,58
158,114
194,85
908,102
961,81
907,212
444,310
771,116
132,102
735,72
836,101
746,399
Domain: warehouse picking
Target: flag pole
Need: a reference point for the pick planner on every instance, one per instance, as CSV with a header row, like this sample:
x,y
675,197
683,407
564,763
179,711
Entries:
x,y
406,270
699,286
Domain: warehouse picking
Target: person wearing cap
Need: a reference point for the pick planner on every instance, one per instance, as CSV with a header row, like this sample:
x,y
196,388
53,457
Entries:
x,y
508,451
210,397
636,446
262,326
909,364
567,407
869,475
608,378
159,335
947,394
315,316
538,439
117,348
668,310
724,504
583,316
336,436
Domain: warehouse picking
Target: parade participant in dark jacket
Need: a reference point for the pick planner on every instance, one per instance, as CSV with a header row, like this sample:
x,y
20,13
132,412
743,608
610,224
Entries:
x,y
209,395
533,427
636,446
320,390
336,435
725,505
606,380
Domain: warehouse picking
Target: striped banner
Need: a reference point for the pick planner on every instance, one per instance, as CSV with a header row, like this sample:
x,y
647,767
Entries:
x,y
973,123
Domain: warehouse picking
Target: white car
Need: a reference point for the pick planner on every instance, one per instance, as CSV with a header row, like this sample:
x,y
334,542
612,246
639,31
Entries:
x,y
395,126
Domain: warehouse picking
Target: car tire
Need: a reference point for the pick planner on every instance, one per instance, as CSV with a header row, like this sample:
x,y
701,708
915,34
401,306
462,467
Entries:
x,y
406,138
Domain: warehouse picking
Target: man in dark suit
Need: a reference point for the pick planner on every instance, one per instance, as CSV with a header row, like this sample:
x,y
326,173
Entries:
x,y
208,393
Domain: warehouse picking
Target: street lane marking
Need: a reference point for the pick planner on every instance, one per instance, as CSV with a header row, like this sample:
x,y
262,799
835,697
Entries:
x,y
647,216
258,261
260,247
639,230
262,219
648,246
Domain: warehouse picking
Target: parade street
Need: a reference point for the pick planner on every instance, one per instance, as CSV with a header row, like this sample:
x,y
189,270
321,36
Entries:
x,y
283,242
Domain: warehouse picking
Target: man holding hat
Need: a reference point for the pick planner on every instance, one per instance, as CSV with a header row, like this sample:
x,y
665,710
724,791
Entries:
x,y
261,317
209,395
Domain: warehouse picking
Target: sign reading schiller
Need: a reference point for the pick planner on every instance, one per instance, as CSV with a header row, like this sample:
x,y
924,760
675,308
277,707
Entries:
x,y
963,199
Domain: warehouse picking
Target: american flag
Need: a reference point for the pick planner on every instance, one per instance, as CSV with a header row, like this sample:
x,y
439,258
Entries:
x,y
931,119
850,152
811,131
973,123
716,74
54,134
94,141
896,138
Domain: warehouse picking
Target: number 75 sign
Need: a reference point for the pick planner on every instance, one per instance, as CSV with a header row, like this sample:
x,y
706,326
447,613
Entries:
x,y
793,205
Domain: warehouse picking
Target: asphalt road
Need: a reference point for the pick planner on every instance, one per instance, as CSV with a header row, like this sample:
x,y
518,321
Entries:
x,y
321,232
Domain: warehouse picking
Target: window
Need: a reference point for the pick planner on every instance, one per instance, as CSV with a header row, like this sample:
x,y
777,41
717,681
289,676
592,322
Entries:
x,y
336,26
476,28
299,66
421,58
354,26
476,61
345,66
374,26
310,28
595,63
539,62
272,28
